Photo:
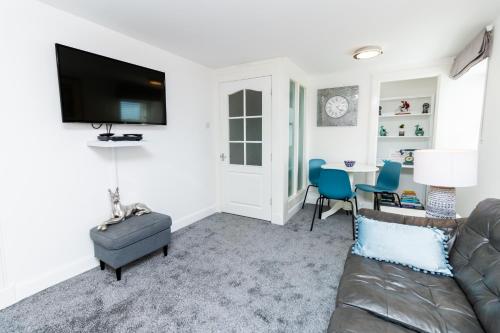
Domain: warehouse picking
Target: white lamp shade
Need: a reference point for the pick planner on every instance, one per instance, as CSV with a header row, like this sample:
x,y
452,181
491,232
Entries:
x,y
445,168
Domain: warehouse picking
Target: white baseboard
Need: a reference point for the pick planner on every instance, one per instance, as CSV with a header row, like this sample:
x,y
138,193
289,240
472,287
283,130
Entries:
x,y
312,195
21,290
48,279
17,292
7,297
294,210
196,216
277,219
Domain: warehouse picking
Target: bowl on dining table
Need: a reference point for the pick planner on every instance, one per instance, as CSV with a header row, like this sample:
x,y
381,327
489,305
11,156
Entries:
x,y
349,163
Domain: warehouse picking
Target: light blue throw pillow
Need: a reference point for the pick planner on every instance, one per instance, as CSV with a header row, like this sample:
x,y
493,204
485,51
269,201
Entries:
x,y
421,248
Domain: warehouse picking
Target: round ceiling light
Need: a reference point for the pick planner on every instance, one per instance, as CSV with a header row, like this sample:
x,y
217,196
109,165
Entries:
x,y
367,52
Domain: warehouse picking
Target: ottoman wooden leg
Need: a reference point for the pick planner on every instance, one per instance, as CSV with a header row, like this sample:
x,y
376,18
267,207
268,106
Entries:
x,y
118,274
103,265
165,250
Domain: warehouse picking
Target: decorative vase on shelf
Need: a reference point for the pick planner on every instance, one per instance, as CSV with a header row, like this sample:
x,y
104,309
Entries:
x,y
402,130
419,131
382,131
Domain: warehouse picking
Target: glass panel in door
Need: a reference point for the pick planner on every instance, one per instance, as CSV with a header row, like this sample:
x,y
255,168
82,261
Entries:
x,y
236,129
253,102
254,129
245,128
236,104
254,154
236,153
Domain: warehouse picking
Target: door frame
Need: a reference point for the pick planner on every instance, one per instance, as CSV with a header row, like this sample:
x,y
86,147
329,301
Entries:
x,y
219,120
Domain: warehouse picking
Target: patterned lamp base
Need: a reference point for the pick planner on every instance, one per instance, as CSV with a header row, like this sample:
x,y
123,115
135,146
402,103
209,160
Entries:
x,y
441,203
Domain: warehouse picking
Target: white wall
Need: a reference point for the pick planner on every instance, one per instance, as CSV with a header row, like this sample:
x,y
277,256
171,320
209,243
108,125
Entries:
x,y
336,144
53,185
414,87
462,109
489,157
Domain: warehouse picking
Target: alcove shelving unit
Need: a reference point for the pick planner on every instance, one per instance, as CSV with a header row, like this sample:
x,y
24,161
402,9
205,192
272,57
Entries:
x,y
389,146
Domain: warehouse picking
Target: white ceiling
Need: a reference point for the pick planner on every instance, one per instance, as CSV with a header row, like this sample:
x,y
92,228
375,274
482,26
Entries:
x,y
318,35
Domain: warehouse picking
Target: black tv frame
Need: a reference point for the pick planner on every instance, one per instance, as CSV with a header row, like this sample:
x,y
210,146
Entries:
x,y
57,46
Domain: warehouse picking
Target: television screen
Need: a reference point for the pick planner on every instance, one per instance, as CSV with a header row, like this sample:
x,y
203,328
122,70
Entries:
x,y
97,89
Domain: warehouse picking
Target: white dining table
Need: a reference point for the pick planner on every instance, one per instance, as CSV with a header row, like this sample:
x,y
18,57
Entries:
x,y
356,168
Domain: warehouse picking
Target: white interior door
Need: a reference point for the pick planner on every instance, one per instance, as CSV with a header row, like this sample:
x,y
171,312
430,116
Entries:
x,y
245,157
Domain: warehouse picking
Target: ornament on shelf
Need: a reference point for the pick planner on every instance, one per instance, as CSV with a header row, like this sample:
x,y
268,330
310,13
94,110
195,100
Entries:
x,y
425,107
408,156
380,110
402,130
382,131
404,108
419,131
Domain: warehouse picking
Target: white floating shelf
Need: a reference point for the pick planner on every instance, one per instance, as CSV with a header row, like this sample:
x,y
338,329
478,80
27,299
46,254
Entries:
x,y
414,115
403,98
402,165
114,144
393,137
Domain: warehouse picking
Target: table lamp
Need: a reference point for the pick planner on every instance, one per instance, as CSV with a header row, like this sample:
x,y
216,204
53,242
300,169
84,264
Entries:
x,y
444,170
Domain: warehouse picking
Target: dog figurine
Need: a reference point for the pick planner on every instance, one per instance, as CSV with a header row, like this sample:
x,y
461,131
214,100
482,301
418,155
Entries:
x,y
122,212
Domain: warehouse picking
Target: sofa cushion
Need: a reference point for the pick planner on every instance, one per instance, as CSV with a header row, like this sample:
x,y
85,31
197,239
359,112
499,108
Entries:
x,y
422,302
348,319
449,226
476,260
420,248
130,231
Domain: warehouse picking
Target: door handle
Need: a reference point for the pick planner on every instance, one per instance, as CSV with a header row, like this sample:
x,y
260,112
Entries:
x,y
222,157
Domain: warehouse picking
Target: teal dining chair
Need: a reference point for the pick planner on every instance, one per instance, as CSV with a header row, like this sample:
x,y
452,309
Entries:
x,y
314,172
387,183
335,184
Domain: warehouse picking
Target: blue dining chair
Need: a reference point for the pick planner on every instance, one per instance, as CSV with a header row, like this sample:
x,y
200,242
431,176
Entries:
x,y
314,171
387,183
335,184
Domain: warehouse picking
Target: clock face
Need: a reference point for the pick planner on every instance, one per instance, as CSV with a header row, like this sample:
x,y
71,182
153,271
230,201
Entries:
x,y
336,106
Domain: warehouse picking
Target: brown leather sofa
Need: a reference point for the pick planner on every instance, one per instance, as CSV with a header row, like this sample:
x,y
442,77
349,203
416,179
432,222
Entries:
x,y
377,297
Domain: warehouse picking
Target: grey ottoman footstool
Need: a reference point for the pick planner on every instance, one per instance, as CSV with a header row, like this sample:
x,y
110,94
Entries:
x,y
131,239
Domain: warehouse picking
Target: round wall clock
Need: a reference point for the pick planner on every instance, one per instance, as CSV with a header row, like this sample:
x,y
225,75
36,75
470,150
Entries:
x,y
336,106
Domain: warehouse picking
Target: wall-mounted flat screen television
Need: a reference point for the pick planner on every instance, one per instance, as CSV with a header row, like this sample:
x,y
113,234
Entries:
x,y
97,89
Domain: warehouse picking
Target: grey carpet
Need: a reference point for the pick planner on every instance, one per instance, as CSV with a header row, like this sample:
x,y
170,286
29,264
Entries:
x,y
225,273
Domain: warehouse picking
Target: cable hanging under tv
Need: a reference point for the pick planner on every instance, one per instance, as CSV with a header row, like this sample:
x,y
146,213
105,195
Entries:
x,y
108,136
